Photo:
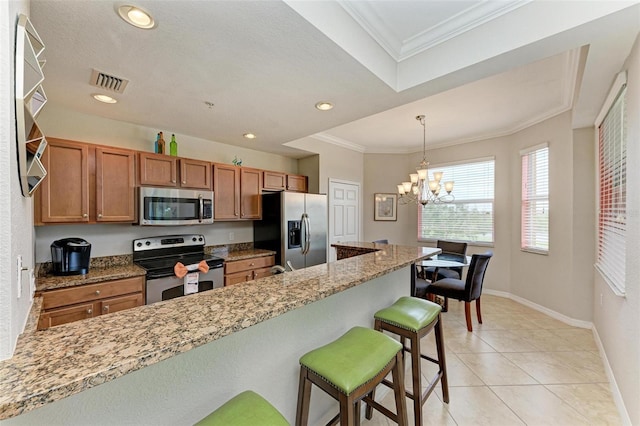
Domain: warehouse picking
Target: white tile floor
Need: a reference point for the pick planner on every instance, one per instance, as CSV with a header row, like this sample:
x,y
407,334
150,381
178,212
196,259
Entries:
x,y
519,367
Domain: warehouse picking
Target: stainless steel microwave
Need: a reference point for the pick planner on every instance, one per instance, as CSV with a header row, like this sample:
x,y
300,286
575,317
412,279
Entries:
x,y
173,206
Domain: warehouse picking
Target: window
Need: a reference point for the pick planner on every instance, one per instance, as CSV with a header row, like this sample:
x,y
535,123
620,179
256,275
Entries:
x,y
470,216
612,189
534,233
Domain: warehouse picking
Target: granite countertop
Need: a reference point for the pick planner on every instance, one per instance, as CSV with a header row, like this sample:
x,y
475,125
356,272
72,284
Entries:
x,y
64,360
244,254
95,275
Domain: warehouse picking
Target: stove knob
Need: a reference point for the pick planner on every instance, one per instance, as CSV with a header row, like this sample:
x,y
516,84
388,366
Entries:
x,y
193,239
148,243
200,239
139,244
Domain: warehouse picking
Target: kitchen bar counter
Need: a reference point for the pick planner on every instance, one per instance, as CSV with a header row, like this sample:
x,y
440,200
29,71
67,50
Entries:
x,y
51,365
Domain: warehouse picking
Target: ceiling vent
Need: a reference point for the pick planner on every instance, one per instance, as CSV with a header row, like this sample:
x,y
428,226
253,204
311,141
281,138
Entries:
x,y
108,82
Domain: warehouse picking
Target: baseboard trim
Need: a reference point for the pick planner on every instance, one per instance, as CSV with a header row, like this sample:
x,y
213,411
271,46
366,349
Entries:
x,y
615,391
553,314
613,385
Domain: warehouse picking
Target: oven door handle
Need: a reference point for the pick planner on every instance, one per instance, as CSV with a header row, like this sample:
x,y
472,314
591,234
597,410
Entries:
x,y
201,209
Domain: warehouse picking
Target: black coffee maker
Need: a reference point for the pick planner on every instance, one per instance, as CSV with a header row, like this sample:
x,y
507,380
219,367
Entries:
x,y
70,256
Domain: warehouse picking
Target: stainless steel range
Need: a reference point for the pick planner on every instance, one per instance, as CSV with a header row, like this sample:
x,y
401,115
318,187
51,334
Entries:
x,y
159,255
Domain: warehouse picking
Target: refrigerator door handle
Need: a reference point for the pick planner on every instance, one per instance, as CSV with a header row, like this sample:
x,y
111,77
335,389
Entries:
x,y
307,237
303,231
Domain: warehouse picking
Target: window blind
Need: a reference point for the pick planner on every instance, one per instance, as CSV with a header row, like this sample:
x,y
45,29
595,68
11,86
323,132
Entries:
x,y
535,200
470,216
612,174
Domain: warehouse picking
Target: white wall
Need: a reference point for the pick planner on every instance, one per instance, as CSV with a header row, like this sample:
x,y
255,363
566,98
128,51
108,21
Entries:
x,y
61,122
382,172
617,319
334,162
16,229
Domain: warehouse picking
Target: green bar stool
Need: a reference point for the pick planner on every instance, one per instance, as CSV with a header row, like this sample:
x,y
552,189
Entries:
x,y
413,318
245,409
349,369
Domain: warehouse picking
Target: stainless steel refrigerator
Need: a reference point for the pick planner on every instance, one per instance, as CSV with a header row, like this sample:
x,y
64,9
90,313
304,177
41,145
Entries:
x,y
294,225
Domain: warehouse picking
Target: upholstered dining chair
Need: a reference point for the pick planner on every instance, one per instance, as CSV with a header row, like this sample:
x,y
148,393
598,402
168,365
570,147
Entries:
x,y
447,247
466,291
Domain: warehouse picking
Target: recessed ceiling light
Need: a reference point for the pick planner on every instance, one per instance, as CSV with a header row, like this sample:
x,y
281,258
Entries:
x,y
249,136
104,98
324,106
137,17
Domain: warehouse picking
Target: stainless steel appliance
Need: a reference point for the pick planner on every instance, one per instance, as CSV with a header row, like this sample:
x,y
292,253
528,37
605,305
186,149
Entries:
x,y
70,256
294,225
174,206
158,255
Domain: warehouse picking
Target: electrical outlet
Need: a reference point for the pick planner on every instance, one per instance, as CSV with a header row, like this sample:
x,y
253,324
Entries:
x,y
232,236
19,275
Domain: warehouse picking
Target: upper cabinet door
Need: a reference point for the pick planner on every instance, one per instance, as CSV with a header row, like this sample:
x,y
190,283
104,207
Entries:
x,y
274,181
65,190
158,170
115,185
250,198
297,183
226,192
195,174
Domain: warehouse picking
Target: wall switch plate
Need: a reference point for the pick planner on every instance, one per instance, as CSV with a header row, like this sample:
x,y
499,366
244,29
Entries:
x,y
19,275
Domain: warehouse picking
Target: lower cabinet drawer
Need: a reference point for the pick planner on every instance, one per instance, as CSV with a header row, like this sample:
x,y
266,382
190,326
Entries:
x,y
90,292
237,278
248,264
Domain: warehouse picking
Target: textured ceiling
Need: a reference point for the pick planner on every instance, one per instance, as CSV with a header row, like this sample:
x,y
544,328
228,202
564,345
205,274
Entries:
x,y
476,69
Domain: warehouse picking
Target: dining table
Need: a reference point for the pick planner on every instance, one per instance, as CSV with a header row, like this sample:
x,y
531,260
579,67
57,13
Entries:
x,y
445,260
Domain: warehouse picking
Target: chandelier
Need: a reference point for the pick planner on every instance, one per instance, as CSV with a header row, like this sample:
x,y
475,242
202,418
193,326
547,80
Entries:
x,y
421,190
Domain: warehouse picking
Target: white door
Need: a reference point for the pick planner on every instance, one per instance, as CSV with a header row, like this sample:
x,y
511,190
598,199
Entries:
x,y
344,213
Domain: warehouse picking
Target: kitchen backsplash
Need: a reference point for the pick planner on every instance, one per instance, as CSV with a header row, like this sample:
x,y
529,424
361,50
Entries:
x,y
44,268
117,239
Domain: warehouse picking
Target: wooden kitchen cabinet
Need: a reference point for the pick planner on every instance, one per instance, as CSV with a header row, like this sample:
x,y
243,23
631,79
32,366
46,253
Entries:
x,y
64,193
158,169
240,271
86,183
64,305
274,181
226,192
236,192
297,183
280,181
250,194
195,174
115,185
66,315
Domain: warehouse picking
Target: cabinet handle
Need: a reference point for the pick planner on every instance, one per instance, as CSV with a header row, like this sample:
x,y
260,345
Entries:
x,y
105,308
99,215
85,215
249,278
97,292
252,264
89,311
184,182
173,181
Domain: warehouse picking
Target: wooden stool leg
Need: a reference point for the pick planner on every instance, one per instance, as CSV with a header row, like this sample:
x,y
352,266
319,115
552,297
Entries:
x,y
416,371
347,411
442,360
397,375
478,310
467,314
304,397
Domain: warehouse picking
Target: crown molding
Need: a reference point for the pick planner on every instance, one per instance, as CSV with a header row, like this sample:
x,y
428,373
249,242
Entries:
x,y
338,142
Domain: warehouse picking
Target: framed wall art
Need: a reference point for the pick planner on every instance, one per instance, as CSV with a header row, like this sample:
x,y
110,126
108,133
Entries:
x,y
385,206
